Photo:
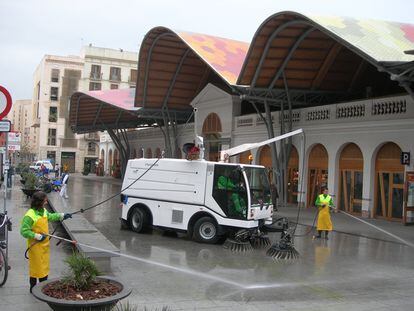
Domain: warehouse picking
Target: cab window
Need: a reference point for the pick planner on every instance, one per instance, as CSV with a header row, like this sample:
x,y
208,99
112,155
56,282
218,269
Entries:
x,y
229,191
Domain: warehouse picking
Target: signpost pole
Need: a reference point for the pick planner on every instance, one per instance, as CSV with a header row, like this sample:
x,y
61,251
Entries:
x,y
6,169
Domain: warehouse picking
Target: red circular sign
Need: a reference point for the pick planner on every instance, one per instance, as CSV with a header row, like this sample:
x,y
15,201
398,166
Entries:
x,y
8,106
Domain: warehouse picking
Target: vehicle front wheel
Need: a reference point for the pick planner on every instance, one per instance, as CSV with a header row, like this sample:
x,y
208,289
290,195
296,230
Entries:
x,y
138,220
206,230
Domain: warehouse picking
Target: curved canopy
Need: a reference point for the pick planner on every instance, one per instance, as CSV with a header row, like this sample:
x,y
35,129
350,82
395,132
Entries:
x,y
322,53
100,110
174,66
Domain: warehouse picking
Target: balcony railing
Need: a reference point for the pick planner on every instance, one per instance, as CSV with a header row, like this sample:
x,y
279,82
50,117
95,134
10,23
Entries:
x,y
391,108
92,136
115,78
95,75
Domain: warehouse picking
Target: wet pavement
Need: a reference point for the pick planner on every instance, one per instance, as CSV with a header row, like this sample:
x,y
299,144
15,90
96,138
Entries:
x,y
346,272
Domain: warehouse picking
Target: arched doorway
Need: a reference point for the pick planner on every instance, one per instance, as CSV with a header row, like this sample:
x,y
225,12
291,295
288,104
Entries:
x,y
102,159
293,176
158,153
351,167
389,183
317,172
116,157
140,152
148,153
244,157
134,154
265,159
212,137
110,160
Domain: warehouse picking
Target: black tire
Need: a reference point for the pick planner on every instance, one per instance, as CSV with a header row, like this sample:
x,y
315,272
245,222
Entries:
x,y
206,231
4,268
138,220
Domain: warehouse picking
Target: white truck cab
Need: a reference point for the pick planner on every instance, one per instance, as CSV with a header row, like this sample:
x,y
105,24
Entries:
x,y
206,199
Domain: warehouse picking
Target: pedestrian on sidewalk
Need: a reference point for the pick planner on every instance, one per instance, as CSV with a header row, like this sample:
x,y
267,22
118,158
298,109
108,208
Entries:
x,y
324,204
65,180
34,227
57,170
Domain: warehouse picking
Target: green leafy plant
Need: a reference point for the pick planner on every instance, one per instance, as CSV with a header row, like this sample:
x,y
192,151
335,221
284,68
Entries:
x,y
82,271
31,181
22,168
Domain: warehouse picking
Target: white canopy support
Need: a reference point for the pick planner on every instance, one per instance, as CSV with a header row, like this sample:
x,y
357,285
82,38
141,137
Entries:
x,y
226,154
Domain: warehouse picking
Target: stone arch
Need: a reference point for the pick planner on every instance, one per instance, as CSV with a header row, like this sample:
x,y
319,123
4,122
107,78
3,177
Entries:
x,y
110,158
318,162
293,176
157,153
350,178
212,124
116,157
244,157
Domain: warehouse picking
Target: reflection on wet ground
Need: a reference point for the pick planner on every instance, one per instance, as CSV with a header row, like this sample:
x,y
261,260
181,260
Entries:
x,y
361,273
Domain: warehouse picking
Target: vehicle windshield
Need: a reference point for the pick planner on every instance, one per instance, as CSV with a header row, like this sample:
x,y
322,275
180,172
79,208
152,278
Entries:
x,y
259,185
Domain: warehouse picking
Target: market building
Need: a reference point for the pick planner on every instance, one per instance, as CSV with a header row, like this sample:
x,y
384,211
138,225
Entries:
x,y
348,83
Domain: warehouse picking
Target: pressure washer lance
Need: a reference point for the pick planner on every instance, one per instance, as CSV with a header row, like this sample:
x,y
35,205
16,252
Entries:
x,y
60,238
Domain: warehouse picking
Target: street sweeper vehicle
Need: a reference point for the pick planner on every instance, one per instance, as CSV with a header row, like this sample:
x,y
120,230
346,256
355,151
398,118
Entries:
x,y
210,201
205,199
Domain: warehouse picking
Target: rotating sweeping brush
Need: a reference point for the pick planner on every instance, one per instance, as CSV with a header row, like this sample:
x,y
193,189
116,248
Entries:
x,y
283,249
260,241
239,242
237,246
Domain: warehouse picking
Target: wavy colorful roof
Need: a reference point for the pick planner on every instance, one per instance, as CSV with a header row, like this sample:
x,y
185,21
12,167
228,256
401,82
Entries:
x,y
225,56
123,98
381,40
335,54
99,110
173,67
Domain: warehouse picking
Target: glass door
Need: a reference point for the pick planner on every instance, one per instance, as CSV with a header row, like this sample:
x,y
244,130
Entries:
x,y
318,178
389,195
351,191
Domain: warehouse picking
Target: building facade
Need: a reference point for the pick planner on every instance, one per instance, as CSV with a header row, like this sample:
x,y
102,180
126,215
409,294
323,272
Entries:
x,y
353,148
104,69
55,79
21,116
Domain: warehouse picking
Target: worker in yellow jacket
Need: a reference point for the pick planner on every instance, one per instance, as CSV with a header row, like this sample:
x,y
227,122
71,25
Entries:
x,y
324,204
34,228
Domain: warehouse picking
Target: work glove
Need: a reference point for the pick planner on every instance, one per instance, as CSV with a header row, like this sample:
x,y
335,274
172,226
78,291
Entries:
x,y
39,237
66,216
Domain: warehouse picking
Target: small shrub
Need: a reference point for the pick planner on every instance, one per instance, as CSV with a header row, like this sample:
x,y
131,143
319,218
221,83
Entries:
x,y
31,181
82,271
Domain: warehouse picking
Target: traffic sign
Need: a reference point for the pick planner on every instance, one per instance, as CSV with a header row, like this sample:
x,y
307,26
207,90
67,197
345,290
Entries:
x,y
5,102
5,126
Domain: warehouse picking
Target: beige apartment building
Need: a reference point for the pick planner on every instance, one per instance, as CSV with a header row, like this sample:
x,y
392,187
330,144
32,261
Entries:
x,y
21,117
56,78
104,69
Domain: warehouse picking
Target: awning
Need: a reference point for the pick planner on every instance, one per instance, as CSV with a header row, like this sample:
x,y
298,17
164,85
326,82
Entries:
x,y
323,53
99,110
175,66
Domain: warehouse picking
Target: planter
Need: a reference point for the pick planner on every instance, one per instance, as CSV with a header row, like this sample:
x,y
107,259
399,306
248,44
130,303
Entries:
x,y
29,192
103,304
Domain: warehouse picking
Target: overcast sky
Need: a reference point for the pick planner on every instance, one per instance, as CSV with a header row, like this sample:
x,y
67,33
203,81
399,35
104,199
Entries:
x,y
31,28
